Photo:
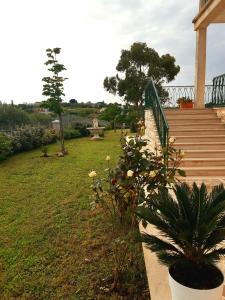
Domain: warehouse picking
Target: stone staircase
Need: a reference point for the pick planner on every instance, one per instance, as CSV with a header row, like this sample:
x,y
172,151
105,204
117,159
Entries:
x,y
201,135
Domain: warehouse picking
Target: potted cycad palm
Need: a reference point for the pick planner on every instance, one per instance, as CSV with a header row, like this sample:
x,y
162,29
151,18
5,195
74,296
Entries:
x,y
190,241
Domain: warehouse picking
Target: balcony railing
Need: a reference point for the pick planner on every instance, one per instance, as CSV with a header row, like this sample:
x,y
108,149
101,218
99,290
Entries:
x,y
176,92
214,94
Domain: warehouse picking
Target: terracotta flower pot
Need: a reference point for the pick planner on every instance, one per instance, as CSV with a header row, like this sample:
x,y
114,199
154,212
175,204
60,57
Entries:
x,y
186,105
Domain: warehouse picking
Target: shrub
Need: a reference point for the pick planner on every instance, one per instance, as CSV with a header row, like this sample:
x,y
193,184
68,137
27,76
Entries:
x,y
70,133
29,137
5,147
12,116
49,136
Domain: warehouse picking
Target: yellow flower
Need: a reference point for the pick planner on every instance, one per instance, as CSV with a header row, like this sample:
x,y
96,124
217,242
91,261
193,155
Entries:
x,y
130,173
108,157
152,174
92,174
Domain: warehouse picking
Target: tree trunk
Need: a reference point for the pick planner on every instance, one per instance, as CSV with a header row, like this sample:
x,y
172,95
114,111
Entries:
x,y
61,134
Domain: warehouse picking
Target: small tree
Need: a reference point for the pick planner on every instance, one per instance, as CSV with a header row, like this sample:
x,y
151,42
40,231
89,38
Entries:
x,y
53,88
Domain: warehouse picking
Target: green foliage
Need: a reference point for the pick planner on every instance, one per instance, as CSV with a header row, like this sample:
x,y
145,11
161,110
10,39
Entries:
x,y
5,147
111,112
70,133
184,100
29,137
44,151
41,119
138,170
137,65
49,136
191,228
12,116
53,89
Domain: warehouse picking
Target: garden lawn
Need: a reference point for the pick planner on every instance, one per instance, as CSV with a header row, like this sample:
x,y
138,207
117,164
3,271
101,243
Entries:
x,y
52,245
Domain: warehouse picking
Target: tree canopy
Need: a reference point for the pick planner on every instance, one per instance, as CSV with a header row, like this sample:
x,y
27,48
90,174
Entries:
x,y
135,67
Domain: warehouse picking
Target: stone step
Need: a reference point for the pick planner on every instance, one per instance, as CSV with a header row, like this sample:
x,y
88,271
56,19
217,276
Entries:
x,y
205,171
174,111
198,138
205,127
200,146
211,116
202,162
204,154
187,121
190,132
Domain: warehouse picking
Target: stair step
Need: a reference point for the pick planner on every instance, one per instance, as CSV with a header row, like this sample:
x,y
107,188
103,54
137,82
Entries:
x,y
200,146
205,171
209,126
203,162
204,154
188,111
191,132
198,138
176,117
186,121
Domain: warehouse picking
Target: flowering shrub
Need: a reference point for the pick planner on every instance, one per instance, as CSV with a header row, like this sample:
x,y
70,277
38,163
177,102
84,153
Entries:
x,y
5,147
141,172
138,176
28,137
136,179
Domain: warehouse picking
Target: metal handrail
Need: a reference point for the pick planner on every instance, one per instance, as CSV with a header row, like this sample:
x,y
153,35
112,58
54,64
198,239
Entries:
x,y
152,101
203,2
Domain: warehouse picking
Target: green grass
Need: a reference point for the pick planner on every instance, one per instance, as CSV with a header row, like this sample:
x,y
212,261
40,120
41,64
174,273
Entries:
x,y
52,245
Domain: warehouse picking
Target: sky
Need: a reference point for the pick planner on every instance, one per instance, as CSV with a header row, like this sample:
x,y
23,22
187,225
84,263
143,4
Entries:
x,y
91,34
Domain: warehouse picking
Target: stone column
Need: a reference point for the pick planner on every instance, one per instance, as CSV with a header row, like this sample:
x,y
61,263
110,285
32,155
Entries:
x,y
200,68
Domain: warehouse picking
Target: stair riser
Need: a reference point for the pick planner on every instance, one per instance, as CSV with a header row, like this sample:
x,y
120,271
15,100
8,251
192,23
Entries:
x,y
191,117
199,132
195,122
204,154
219,173
200,139
199,147
200,163
202,127
188,112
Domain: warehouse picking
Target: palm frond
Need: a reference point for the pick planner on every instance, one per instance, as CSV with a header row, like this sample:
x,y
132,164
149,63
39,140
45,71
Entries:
x,y
157,245
167,258
214,256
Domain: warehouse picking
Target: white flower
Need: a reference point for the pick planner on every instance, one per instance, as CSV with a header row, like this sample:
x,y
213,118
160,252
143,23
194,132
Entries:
x,y
152,174
92,174
172,139
130,173
108,157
